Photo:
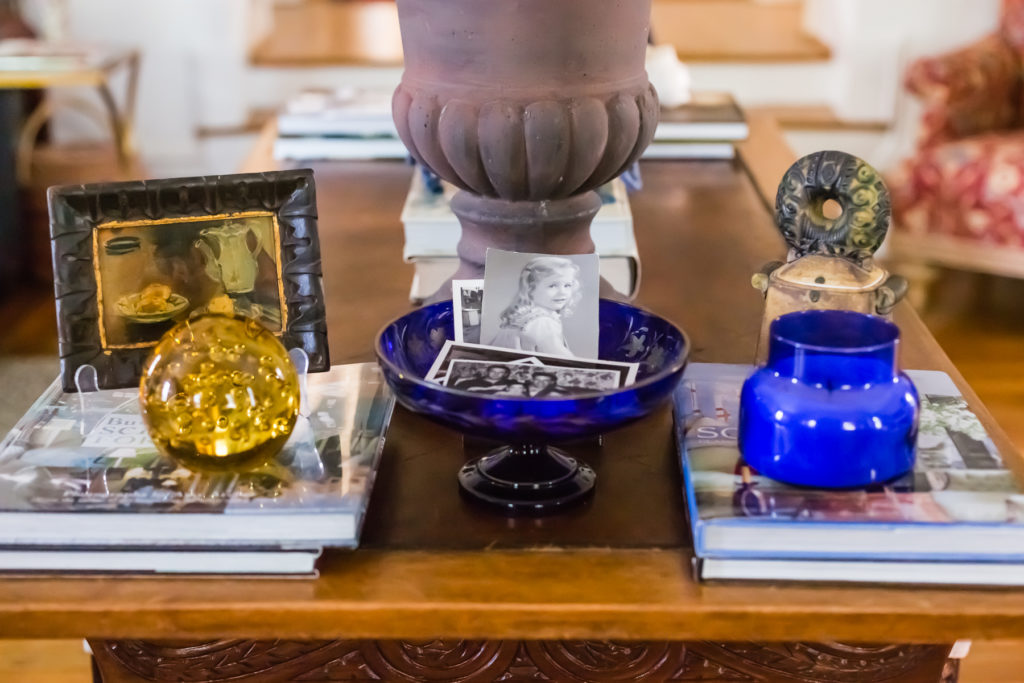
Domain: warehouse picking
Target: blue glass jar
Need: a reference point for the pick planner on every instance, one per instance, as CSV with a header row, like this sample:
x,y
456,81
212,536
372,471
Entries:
x,y
831,408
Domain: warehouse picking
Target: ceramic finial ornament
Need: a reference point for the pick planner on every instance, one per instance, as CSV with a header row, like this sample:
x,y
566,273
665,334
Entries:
x,y
800,206
833,210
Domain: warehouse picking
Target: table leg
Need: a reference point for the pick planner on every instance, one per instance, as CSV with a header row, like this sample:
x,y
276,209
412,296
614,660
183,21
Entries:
x,y
276,661
118,126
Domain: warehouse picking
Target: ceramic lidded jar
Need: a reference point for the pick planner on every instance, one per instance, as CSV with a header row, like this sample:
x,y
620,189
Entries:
x,y
830,264
830,408
527,106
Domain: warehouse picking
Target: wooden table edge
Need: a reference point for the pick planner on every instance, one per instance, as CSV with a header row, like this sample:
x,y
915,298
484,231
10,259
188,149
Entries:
x,y
683,610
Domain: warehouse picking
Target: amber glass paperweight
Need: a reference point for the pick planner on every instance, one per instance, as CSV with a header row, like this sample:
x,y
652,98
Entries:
x,y
219,393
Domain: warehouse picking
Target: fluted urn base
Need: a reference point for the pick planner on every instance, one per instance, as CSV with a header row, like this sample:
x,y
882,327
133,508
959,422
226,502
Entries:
x,y
553,226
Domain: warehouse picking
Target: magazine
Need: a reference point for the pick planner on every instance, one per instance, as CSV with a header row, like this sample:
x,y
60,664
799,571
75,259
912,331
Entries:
x,y
79,470
959,504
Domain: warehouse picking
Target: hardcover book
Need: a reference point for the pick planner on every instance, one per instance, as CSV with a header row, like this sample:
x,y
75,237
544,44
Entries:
x,y
708,116
703,128
960,506
432,234
432,229
339,147
343,112
348,123
621,272
80,472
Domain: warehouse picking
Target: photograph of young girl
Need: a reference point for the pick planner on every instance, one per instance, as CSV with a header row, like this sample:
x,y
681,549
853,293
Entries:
x,y
541,303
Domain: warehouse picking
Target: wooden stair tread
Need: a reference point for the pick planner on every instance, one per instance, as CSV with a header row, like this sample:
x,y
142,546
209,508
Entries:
x,y
735,31
816,117
365,33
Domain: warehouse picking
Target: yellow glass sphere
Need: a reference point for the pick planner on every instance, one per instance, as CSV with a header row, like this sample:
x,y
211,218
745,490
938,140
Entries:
x,y
219,393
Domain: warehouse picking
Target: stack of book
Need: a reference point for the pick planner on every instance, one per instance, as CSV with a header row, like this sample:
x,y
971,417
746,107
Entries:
x,y
83,489
432,234
706,127
356,124
344,124
957,519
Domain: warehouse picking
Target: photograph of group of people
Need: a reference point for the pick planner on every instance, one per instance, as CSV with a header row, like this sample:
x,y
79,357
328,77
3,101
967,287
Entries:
x,y
479,368
527,379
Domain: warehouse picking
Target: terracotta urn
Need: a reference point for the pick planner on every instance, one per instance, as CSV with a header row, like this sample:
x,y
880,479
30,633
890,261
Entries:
x,y
527,106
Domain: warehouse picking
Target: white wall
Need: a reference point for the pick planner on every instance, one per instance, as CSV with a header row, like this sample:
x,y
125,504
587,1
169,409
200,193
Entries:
x,y
873,41
193,71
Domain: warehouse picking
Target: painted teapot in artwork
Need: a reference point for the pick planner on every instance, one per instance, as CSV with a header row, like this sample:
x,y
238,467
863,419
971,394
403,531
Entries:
x,y
229,258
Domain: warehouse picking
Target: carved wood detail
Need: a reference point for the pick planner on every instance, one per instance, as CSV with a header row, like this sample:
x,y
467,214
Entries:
x,y
477,661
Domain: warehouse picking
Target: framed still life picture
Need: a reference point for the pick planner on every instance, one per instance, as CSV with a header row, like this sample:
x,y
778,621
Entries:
x,y
132,259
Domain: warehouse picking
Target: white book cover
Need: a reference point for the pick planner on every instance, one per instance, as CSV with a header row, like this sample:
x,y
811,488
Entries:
x,y
432,230
689,150
621,272
863,571
141,562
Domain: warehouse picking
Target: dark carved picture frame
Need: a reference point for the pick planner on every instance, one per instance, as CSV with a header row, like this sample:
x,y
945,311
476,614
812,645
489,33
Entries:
x,y
76,212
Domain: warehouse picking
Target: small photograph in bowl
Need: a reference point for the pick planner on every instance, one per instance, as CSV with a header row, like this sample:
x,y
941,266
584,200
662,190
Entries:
x,y
467,304
527,379
451,352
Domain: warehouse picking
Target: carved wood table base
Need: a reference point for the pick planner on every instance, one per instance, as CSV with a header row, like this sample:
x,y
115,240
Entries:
x,y
468,661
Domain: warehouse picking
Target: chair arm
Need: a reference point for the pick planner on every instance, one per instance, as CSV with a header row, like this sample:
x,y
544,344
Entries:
x,y
972,90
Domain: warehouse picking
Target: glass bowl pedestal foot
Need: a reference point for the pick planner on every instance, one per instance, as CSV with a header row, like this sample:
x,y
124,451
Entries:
x,y
526,479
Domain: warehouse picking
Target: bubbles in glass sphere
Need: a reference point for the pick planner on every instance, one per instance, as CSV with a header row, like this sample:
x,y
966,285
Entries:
x,y
219,393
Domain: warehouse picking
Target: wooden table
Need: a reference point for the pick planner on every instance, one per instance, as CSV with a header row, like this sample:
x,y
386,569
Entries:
x,y
544,597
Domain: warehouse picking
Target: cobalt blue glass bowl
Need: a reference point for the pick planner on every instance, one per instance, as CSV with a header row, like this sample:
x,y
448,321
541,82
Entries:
x,y
528,475
830,409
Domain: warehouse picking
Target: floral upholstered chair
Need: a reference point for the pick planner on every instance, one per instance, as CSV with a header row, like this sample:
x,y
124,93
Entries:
x,y
959,201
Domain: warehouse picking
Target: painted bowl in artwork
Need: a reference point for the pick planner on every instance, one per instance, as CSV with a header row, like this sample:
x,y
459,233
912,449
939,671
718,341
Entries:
x,y
130,308
406,349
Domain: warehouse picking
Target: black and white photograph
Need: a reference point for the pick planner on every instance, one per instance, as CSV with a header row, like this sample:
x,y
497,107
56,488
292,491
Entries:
x,y
526,380
467,306
541,303
454,351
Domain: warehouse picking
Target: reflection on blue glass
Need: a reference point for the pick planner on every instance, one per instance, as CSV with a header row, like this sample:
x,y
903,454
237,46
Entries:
x,y
407,347
830,408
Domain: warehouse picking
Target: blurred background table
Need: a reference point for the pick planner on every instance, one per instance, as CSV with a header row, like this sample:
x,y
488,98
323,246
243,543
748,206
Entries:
x,y
34,65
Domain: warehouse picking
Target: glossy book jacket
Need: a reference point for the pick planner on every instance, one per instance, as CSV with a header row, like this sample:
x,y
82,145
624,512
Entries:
x,y
80,469
960,502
